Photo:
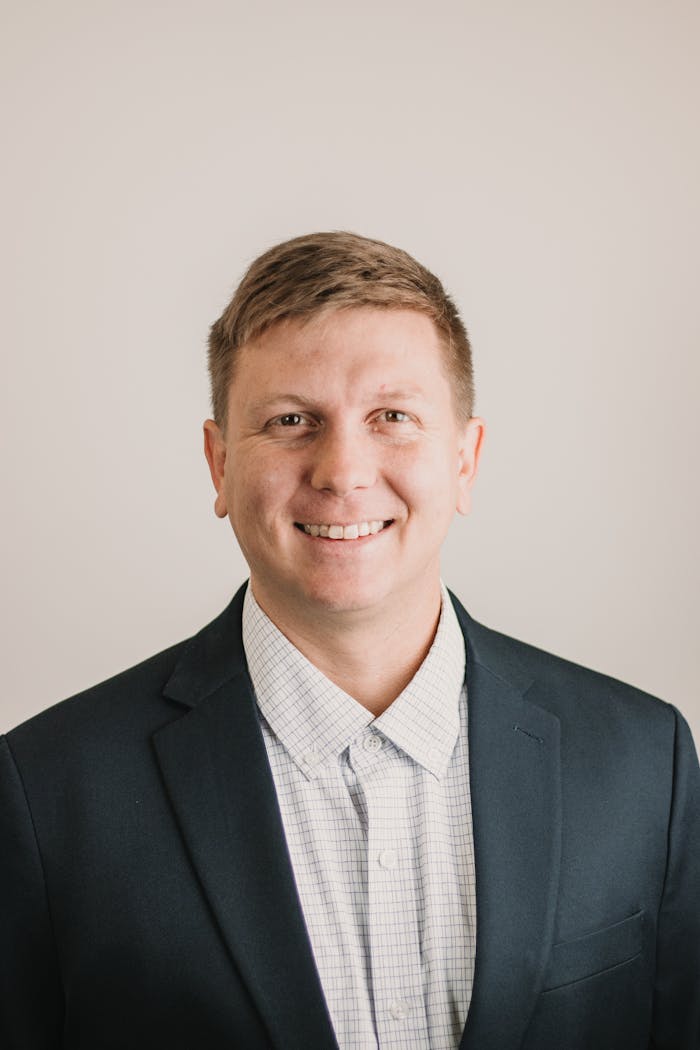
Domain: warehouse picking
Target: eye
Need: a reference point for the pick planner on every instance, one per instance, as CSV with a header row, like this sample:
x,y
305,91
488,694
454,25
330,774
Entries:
x,y
289,419
394,415
297,426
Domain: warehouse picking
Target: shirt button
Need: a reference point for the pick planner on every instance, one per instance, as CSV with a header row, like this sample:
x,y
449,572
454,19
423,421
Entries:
x,y
388,858
372,743
313,759
399,1009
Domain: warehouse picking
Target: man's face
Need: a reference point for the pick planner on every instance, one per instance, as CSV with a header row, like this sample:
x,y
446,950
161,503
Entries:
x,y
346,421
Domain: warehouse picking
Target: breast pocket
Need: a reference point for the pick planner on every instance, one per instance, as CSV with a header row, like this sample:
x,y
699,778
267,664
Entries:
x,y
572,961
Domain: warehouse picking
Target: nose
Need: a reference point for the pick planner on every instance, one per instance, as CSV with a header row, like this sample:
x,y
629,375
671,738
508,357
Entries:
x,y
342,462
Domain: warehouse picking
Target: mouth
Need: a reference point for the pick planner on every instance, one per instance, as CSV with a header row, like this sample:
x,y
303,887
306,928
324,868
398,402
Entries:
x,y
355,531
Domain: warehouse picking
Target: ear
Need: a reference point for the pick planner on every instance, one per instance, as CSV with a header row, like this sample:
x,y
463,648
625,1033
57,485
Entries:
x,y
470,442
215,451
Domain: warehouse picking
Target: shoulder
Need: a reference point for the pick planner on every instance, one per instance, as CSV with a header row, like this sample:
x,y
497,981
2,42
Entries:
x,y
127,703
572,692
141,697
629,743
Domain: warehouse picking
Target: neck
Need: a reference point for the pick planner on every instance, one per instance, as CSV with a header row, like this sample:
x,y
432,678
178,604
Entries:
x,y
370,657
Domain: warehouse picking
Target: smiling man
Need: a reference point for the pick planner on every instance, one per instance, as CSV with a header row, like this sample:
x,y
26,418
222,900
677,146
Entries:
x,y
345,814
343,457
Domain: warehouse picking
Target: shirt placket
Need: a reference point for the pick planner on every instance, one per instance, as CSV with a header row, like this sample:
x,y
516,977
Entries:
x,y
384,776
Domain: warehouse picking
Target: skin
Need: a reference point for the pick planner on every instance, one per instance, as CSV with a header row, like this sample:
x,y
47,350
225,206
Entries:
x,y
347,418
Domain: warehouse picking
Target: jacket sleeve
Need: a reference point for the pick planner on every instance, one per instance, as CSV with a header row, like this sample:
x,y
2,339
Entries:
x,y
676,1019
31,1000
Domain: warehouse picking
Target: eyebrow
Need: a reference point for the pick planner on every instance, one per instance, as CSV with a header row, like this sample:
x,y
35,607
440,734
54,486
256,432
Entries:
x,y
298,400
260,404
407,393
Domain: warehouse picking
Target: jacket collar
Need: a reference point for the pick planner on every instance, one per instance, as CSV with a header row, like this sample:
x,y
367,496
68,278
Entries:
x,y
210,658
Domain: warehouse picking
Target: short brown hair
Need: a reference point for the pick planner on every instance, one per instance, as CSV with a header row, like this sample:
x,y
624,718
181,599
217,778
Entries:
x,y
302,277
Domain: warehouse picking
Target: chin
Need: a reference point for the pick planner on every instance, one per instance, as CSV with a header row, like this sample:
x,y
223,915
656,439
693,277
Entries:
x,y
346,597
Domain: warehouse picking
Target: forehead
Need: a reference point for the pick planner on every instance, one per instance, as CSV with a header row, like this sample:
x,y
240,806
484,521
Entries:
x,y
353,343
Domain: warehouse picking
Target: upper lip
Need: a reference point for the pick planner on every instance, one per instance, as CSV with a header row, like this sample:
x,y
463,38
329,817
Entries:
x,y
344,521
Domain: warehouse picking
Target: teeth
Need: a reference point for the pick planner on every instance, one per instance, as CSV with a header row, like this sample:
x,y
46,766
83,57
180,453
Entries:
x,y
345,532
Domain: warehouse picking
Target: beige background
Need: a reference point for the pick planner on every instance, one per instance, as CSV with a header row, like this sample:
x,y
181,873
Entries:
x,y
542,158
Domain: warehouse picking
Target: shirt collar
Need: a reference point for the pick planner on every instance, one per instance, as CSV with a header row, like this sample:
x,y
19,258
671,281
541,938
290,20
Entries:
x,y
315,720
424,719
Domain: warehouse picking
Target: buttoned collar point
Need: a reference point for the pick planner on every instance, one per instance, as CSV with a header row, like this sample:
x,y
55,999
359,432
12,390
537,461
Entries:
x,y
311,717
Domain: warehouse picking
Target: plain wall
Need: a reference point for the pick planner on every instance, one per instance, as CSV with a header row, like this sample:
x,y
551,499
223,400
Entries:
x,y
542,159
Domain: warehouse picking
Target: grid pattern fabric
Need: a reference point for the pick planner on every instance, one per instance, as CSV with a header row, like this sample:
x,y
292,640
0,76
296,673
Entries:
x,y
377,816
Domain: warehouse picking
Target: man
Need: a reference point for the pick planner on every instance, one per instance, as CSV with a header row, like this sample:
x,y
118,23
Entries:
x,y
345,814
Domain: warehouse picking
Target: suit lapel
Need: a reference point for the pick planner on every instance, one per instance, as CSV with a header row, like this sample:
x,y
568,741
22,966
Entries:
x,y
516,807
214,764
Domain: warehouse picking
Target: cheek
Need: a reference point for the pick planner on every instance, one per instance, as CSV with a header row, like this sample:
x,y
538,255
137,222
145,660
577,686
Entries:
x,y
427,482
261,486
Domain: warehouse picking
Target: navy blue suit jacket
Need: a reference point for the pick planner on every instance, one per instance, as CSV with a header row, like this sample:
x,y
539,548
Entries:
x,y
147,898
